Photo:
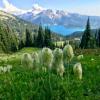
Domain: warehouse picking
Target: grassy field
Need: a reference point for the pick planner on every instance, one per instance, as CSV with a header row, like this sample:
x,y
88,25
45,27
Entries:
x,y
25,84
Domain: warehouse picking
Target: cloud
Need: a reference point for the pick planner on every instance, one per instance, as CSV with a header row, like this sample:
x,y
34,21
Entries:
x,y
8,7
38,7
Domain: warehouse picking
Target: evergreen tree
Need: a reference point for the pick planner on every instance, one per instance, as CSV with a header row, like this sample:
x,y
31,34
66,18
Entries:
x,y
22,41
2,47
28,40
14,43
98,38
21,44
86,38
47,37
8,40
34,40
40,37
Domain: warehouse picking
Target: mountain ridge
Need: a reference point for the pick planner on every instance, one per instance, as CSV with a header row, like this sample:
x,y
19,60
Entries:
x,y
15,23
60,17
53,18
19,25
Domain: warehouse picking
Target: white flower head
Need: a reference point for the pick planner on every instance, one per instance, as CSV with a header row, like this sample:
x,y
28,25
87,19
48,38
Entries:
x,y
26,60
36,62
9,67
35,57
57,64
58,55
77,69
46,57
60,70
68,53
5,69
80,57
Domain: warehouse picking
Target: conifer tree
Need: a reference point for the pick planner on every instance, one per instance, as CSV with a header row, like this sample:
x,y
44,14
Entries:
x,y
21,44
28,40
40,37
47,37
98,38
8,40
86,38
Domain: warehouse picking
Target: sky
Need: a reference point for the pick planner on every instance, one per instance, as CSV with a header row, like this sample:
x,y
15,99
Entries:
x,y
86,7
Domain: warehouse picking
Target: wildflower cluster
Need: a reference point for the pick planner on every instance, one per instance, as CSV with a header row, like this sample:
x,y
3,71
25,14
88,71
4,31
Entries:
x,y
50,60
4,69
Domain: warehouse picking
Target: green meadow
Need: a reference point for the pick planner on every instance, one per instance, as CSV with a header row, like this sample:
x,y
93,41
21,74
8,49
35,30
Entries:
x,y
26,84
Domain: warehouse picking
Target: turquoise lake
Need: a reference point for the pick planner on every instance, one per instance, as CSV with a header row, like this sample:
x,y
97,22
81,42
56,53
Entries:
x,y
63,30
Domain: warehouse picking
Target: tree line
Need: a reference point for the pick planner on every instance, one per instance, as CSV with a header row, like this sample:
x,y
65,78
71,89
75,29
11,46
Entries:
x,y
10,42
40,40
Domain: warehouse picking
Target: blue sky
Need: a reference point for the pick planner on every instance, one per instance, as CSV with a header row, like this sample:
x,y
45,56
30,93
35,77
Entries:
x,y
88,7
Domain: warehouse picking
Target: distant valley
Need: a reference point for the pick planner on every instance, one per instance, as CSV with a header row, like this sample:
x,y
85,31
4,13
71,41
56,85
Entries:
x,y
60,21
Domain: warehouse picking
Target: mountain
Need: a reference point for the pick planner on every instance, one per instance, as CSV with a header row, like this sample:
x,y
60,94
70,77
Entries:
x,y
78,34
19,25
59,21
16,24
59,17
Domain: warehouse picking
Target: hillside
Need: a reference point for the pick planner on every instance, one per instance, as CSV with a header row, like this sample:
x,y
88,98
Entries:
x,y
15,23
78,34
19,25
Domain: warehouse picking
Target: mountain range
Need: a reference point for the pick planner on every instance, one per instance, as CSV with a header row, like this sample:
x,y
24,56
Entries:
x,y
59,17
59,21
19,26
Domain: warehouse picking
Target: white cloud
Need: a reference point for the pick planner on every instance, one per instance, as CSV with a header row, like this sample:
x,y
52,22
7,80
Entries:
x,y
8,7
37,8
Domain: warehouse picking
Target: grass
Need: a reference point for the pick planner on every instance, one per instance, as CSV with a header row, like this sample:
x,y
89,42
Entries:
x,y
25,84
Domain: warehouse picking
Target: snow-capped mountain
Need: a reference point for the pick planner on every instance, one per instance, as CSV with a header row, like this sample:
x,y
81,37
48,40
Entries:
x,y
41,15
59,17
60,21
45,16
